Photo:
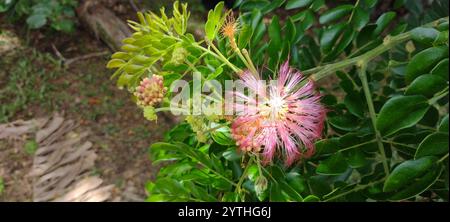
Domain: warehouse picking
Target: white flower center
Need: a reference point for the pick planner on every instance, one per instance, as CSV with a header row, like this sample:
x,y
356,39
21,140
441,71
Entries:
x,y
275,108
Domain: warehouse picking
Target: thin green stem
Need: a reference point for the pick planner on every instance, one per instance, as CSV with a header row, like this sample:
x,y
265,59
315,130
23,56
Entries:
x,y
162,109
388,43
258,162
217,127
218,174
249,61
269,174
426,127
216,54
363,76
357,145
357,188
222,57
399,144
244,60
353,12
438,96
443,158
243,176
191,66
312,164
355,86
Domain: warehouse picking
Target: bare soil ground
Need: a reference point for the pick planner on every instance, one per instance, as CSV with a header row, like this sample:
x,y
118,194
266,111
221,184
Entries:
x,y
85,93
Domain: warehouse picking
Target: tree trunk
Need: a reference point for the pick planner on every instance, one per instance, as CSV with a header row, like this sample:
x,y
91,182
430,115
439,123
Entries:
x,y
105,25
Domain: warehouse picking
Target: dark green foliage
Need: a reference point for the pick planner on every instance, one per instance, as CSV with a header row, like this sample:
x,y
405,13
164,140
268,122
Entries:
x,y
386,134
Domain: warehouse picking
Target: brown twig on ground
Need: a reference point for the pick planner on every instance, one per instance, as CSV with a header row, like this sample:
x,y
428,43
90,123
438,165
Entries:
x,y
66,62
87,56
60,56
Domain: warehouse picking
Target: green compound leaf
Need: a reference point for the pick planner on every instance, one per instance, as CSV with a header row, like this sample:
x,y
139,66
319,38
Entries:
x,y
407,172
401,112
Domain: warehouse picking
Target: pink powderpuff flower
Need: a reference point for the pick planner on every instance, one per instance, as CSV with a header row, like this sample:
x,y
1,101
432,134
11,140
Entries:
x,y
150,91
287,119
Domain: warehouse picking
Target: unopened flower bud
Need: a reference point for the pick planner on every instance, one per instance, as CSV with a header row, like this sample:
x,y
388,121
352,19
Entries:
x,y
150,91
260,185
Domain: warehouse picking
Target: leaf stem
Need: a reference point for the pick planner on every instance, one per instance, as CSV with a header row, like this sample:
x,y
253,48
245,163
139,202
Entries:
x,y
357,188
162,109
258,162
363,76
399,144
243,176
249,61
244,60
222,57
389,42
357,145
191,66
425,127
438,96
443,158
218,174
353,12
220,125
216,54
